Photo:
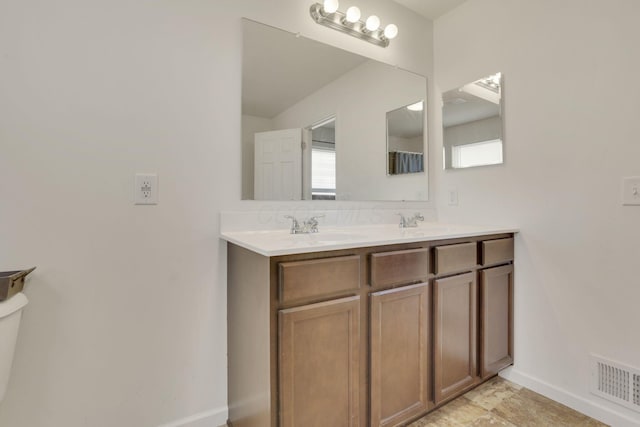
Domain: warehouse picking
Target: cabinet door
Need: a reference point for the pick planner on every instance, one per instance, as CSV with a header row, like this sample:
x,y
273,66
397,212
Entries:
x,y
399,354
455,323
496,333
319,364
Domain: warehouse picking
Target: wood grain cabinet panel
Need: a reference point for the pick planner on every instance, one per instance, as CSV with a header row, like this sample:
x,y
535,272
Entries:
x,y
497,251
455,335
399,267
304,280
399,354
455,258
496,319
319,364
310,346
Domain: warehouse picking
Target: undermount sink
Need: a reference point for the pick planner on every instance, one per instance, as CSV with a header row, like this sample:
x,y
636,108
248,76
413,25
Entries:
x,y
423,231
329,236
336,236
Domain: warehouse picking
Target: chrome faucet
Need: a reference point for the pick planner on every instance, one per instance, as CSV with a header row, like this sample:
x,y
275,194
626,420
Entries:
x,y
308,226
410,221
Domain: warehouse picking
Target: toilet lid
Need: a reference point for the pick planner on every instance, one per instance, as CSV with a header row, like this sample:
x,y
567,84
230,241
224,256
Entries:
x,y
13,304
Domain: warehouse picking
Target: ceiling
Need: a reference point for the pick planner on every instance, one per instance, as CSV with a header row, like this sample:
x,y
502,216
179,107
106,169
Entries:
x,y
459,107
430,9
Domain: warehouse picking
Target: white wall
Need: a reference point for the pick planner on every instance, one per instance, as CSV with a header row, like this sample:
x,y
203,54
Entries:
x,y
415,144
126,324
472,132
571,111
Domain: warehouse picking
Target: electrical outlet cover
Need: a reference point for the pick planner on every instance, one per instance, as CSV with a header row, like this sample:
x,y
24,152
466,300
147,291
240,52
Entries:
x,y
146,189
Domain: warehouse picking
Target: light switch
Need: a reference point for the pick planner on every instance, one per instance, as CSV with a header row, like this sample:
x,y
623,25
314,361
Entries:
x,y
453,197
631,190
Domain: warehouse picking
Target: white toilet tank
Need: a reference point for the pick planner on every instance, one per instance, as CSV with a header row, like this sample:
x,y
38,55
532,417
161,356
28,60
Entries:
x,y
10,313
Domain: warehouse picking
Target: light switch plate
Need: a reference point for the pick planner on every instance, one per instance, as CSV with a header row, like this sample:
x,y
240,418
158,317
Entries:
x,y
631,191
453,197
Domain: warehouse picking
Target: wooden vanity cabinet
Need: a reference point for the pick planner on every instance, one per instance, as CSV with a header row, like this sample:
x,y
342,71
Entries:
x,y
454,335
496,306
372,336
319,364
399,354
400,336
455,321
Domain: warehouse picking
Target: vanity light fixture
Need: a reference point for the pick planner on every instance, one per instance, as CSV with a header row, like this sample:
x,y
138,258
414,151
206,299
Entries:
x,y
327,14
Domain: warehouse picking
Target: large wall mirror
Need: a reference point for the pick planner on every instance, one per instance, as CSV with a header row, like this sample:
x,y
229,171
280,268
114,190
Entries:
x,y
472,124
315,122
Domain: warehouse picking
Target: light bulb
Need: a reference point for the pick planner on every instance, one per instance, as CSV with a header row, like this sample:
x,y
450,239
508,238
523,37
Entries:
x,y
330,6
418,106
391,31
373,23
353,14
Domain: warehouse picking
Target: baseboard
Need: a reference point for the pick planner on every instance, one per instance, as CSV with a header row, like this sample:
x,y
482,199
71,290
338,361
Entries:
x,y
212,418
585,406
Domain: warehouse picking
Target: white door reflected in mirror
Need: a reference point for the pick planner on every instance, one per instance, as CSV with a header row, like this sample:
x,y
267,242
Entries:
x,y
278,165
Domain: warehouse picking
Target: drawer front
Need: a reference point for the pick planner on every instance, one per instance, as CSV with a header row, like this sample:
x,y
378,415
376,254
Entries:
x,y
398,267
302,280
453,258
497,251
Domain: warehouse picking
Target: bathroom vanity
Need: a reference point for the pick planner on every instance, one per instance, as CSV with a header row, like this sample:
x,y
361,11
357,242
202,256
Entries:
x,y
375,328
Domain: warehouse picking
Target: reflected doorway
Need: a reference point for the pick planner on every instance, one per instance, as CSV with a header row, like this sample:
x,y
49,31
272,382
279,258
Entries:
x,y
321,160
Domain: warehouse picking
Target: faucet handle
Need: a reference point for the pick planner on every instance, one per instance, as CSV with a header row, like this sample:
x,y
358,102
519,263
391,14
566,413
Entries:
x,y
418,216
312,223
294,224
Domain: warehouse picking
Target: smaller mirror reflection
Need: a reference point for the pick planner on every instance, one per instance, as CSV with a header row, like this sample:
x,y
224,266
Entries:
x,y
405,139
472,124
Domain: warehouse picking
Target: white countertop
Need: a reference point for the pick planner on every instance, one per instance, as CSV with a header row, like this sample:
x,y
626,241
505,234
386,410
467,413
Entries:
x,y
281,242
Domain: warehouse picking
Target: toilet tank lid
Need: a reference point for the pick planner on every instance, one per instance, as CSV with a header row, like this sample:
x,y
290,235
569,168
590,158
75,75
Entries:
x,y
13,304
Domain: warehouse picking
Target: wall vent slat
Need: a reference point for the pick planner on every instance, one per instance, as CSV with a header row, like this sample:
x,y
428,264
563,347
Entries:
x,y
616,382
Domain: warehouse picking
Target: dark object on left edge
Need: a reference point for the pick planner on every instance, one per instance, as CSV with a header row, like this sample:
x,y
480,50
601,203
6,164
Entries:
x,y
12,282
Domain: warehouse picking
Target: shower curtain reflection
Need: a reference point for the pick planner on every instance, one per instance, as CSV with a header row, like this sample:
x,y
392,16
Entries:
x,y
405,162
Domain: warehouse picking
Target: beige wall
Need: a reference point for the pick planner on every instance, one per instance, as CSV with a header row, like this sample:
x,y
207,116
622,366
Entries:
x,y
571,129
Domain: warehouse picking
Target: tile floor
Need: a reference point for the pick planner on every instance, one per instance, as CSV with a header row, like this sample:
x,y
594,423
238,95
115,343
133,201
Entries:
x,y
499,402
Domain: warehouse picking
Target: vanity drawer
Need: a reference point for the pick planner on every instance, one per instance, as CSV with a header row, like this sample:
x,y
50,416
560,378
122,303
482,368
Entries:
x,y
496,251
454,258
398,267
302,280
